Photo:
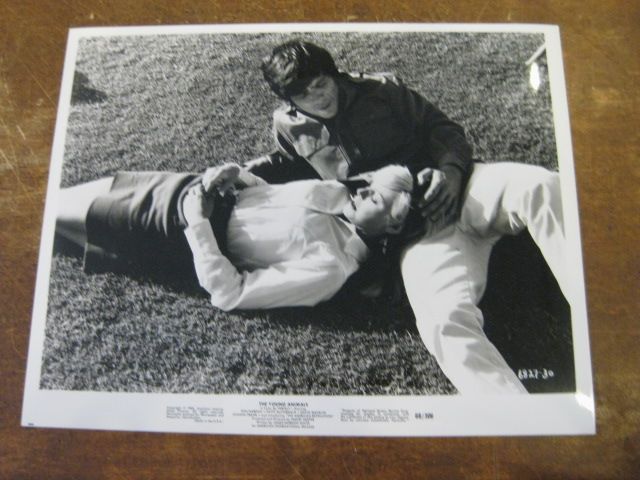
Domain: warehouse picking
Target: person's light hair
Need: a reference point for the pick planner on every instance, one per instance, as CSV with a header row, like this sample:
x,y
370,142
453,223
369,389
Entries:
x,y
395,184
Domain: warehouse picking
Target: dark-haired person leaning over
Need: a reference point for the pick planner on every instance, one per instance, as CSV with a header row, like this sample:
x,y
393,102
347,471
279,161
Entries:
x,y
335,125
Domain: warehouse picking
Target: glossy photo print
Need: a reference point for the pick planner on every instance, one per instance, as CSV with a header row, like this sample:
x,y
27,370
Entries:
x,y
309,229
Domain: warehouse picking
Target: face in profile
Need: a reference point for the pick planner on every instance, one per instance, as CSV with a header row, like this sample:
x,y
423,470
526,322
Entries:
x,y
370,210
319,97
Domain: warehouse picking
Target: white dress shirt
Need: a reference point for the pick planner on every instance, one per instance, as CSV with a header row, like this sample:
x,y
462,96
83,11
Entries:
x,y
286,247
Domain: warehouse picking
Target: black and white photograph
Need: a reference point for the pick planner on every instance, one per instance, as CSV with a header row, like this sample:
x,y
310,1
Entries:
x,y
312,230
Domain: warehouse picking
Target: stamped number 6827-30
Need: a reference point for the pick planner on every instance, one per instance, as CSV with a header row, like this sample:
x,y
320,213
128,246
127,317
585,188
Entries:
x,y
535,374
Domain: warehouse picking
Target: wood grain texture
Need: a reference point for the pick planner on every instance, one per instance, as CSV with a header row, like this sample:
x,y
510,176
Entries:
x,y
602,67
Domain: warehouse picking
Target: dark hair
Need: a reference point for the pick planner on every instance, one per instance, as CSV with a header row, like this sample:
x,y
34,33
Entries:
x,y
292,65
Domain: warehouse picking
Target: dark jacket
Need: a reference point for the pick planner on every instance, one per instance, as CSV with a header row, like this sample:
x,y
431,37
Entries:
x,y
379,122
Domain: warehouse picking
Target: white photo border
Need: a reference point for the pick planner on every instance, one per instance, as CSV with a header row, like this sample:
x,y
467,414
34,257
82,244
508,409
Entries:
x,y
539,414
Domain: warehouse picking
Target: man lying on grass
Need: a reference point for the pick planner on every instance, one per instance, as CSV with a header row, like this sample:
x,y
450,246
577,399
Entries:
x,y
268,246
334,125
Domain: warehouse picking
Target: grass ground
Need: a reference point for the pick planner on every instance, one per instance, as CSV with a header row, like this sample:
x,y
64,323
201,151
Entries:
x,y
183,103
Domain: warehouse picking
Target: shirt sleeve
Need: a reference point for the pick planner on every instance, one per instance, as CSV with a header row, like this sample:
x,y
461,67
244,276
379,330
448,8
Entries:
x,y
314,278
284,164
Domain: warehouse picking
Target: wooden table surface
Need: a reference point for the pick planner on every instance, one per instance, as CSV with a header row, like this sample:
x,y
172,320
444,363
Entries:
x,y
602,67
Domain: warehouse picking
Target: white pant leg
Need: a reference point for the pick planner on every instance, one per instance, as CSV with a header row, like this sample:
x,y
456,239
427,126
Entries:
x,y
506,198
445,277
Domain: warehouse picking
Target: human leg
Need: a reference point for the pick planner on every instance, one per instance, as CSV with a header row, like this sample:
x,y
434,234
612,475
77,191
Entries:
x,y
445,276
506,198
74,203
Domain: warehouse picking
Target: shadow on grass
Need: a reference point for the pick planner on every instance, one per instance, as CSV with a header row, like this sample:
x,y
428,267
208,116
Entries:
x,y
83,92
342,313
184,281
526,315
